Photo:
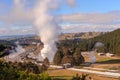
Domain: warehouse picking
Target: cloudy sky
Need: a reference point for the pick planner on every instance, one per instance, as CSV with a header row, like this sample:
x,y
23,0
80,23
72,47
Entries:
x,y
16,16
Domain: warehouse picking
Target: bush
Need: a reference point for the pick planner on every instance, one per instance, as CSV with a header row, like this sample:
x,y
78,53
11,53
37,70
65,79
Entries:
x,y
82,77
45,76
10,72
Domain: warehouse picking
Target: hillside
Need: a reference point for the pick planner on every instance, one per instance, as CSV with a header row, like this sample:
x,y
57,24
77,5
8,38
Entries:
x,y
111,41
82,35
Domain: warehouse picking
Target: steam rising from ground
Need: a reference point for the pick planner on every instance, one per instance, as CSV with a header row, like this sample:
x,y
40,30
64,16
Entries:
x,y
99,44
47,26
92,53
14,54
92,57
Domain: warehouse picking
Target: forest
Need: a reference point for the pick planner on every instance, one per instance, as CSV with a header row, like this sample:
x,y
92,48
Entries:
x,y
69,51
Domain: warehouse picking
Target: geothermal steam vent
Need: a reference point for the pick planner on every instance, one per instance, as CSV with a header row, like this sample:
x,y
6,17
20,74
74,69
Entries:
x,y
47,29
47,26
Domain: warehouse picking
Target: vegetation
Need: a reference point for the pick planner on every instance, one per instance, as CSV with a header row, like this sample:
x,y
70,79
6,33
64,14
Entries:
x,y
46,62
78,58
105,59
58,57
68,52
82,77
8,71
110,41
68,59
3,50
21,71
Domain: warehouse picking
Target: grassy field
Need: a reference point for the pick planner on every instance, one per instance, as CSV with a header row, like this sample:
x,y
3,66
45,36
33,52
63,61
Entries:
x,y
63,74
112,63
105,62
103,59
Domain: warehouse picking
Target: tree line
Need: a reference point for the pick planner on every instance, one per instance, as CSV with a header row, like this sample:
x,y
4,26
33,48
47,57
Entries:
x,y
69,51
110,41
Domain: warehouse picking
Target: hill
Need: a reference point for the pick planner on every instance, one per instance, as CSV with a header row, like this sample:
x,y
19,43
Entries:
x,y
82,35
110,41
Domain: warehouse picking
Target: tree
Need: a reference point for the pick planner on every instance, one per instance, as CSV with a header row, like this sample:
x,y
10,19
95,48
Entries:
x,y
45,76
79,59
58,57
43,68
46,62
9,72
68,59
82,77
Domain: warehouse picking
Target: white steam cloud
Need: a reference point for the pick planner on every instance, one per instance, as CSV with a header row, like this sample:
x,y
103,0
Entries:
x,y
92,57
47,26
99,44
92,53
14,54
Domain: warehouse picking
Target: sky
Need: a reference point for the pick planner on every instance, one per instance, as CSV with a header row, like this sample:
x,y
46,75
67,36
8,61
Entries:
x,y
16,16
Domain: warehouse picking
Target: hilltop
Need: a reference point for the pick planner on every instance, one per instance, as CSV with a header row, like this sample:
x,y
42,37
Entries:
x,y
111,41
81,35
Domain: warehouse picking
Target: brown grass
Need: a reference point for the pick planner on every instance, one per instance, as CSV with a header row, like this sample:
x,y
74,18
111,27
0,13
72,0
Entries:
x,y
70,74
104,62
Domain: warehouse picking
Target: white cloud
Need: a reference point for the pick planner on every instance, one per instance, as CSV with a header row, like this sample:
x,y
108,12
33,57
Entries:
x,y
17,19
71,2
89,27
18,14
21,16
16,31
82,22
91,17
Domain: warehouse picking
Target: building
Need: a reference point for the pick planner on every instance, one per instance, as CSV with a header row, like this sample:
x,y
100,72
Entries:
x,y
110,55
101,54
67,65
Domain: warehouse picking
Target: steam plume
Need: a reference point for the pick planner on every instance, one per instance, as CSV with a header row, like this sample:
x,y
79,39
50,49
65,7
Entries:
x,y
47,29
92,57
14,55
99,44
47,26
92,53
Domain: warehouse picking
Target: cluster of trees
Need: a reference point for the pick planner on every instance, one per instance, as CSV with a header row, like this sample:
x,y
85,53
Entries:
x,y
68,53
29,67
3,50
25,66
82,77
110,40
9,71
22,71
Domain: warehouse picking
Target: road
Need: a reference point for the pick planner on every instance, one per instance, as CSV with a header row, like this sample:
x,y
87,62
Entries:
x,y
107,73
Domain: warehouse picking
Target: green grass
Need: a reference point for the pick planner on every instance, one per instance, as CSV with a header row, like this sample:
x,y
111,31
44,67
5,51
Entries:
x,y
104,59
61,77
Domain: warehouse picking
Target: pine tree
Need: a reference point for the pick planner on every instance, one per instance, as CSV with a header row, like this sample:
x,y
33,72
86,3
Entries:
x,y
79,59
68,59
58,57
46,62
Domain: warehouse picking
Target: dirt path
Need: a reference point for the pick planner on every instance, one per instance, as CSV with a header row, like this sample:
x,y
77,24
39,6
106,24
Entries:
x,y
109,74
105,73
